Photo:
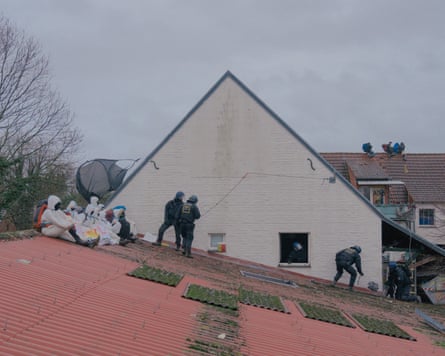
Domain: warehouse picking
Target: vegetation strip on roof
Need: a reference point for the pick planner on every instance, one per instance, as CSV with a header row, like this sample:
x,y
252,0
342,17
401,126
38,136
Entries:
x,y
256,299
316,312
379,326
211,296
217,332
156,275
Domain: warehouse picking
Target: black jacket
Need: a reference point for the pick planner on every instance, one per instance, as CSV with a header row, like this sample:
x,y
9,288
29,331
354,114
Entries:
x,y
348,257
171,210
188,213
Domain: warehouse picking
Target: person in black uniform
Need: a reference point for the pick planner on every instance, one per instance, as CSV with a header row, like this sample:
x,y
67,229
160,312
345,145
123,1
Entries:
x,y
344,260
170,212
187,215
296,255
403,282
392,278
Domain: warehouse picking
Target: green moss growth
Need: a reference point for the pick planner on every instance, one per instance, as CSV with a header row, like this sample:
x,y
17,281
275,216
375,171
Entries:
x,y
212,296
324,314
379,326
156,275
261,300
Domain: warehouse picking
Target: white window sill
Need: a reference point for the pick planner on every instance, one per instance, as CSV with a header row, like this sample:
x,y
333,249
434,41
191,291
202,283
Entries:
x,y
293,265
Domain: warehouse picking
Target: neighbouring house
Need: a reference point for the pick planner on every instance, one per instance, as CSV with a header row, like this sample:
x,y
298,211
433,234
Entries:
x,y
408,188
261,188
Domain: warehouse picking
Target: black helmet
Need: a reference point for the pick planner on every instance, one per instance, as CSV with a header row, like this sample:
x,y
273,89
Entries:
x,y
297,246
179,195
357,248
193,199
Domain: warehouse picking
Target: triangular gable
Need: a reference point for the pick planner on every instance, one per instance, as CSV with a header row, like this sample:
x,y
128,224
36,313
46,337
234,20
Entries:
x,y
229,76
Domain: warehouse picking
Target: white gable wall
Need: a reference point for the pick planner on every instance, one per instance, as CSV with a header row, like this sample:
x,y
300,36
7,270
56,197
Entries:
x,y
254,180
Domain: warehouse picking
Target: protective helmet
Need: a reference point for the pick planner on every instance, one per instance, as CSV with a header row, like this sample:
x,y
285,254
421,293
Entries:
x,y
179,195
357,248
297,246
193,199
392,264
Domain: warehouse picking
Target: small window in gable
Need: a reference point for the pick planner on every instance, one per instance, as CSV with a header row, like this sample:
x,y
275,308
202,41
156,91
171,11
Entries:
x,y
426,217
290,255
215,240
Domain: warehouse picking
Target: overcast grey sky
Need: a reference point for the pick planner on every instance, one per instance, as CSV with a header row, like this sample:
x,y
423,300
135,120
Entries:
x,y
339,72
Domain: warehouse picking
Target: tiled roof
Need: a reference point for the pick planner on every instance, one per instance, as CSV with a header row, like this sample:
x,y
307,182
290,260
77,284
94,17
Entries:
x,y
61,299
422,173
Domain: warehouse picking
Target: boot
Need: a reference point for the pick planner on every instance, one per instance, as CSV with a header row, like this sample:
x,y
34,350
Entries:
x,y
93,243
77,238
188,252
123,242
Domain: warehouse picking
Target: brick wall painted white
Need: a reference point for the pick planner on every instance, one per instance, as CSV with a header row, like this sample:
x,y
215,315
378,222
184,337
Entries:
x,y
436,233
254,179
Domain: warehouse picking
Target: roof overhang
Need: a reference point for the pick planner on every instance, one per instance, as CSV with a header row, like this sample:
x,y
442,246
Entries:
x,y
380,182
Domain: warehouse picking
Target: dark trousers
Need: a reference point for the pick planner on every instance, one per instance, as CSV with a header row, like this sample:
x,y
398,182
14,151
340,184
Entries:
x,y
349,269
187,235
164,227
403,293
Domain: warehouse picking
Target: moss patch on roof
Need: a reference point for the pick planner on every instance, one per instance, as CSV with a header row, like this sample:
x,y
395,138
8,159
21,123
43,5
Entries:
x,y
211,296
156,275
379,326
317,312
217,332
261,300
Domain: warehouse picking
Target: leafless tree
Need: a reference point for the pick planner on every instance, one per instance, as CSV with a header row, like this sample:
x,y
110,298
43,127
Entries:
x,y
37,138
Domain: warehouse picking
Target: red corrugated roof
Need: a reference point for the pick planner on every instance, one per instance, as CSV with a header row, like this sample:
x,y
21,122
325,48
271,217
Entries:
x,y
61,299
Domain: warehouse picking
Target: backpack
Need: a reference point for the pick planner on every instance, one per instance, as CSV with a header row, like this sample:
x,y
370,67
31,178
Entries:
x,y
38,212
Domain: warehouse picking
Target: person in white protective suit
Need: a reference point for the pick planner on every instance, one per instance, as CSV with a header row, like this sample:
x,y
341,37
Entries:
x,y
56,223
75,211
92,209
104,225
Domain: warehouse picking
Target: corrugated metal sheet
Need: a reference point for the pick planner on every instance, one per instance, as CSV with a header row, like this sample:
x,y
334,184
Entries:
x,y
61,299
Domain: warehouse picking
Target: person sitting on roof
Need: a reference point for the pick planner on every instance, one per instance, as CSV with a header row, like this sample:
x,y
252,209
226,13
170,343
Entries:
x,y
104,226
367,148
124,227
388,148
91,209
56,223
399,148
75,211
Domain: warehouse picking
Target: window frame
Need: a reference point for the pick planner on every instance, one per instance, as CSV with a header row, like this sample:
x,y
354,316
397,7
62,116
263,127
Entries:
x,y
214,246
286,239
425,219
